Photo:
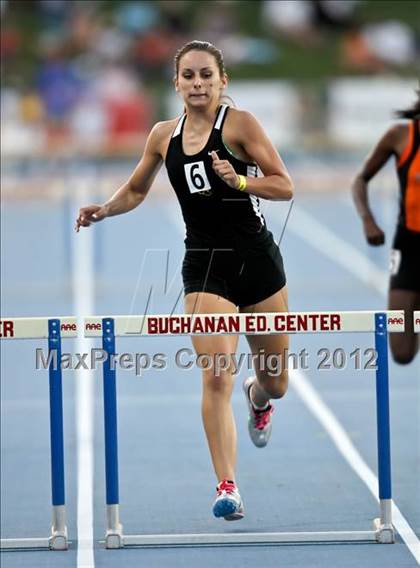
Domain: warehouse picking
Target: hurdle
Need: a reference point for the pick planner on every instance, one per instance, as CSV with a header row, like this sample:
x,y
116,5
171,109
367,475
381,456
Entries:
x,y
52,329
379,323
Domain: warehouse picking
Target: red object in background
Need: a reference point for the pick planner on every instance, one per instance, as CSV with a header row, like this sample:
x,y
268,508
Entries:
x,y
154,48
10,41
130,115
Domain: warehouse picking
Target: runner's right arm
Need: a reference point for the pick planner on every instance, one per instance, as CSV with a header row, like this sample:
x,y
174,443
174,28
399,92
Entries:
x,y
374,162
134,191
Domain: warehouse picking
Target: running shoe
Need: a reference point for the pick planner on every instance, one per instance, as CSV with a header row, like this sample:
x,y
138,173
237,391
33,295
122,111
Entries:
x,y
259,421
228,503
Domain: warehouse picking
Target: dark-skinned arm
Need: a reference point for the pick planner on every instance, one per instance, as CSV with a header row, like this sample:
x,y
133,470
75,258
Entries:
x,y
384,149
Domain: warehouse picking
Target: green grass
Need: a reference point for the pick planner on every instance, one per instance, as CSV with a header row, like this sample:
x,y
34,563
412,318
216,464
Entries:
x,y
407,11
315,64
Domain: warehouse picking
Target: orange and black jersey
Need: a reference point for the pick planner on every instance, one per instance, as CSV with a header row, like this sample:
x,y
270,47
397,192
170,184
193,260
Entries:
x,y
408,169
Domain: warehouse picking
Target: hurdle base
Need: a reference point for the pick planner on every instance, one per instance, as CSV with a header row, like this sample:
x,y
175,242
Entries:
x,y
114,531
385,533
22,543
236,539
59,538
114,538
57,541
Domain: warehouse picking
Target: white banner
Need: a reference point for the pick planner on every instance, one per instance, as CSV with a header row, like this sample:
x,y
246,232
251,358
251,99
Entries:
x,y
209,324
252,324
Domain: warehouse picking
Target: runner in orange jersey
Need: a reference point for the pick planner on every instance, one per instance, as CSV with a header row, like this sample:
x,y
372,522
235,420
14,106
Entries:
x,y
402,141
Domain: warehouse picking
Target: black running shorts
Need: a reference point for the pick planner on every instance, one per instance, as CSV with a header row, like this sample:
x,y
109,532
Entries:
x,y
405,261
243,276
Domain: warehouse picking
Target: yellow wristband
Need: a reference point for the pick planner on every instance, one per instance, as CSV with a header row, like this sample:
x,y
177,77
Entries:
x,y
242,183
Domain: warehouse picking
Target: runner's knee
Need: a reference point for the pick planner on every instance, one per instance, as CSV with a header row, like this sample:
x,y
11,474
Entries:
x,y
217,383
403,347
402,356
275,385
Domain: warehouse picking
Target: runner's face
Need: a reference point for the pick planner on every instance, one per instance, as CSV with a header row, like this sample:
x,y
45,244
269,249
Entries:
x,y
199,81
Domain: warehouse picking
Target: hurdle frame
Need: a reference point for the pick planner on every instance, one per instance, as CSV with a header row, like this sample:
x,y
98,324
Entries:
x,y
48,328
379,322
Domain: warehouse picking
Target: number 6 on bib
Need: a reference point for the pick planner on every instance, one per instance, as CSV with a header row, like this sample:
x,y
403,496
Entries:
x,y
196,176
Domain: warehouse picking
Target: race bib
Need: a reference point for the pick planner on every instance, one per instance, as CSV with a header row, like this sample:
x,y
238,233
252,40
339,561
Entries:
x,y
196,176
394,261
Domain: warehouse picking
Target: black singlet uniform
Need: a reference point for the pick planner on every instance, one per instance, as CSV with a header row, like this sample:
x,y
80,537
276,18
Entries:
x,y
229,251
405,254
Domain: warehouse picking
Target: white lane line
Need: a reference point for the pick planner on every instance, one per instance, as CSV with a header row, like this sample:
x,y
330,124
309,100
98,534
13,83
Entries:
x,y
348,257
83,299
328,420
339,251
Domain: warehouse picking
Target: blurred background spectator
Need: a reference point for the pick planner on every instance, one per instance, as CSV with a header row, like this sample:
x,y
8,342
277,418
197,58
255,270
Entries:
x,y
91,77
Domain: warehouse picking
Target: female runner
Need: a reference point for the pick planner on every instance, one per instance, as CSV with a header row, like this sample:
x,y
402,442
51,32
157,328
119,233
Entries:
x,y
231,261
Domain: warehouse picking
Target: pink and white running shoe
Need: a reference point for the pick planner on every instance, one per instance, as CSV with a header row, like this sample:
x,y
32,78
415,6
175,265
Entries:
x,y
228,503
259,421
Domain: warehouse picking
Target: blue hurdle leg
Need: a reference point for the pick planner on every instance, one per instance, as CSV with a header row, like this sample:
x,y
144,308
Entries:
x,y
58,538
383,430
113,536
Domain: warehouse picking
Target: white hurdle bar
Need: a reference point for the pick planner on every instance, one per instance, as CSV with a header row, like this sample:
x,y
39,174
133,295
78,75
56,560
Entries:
x,y
52,329
379,323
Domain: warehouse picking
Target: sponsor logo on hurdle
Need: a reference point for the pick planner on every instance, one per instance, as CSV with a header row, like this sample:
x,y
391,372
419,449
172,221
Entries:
x,y
7,328
417,325
395,323
287,323
93,327
68,327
